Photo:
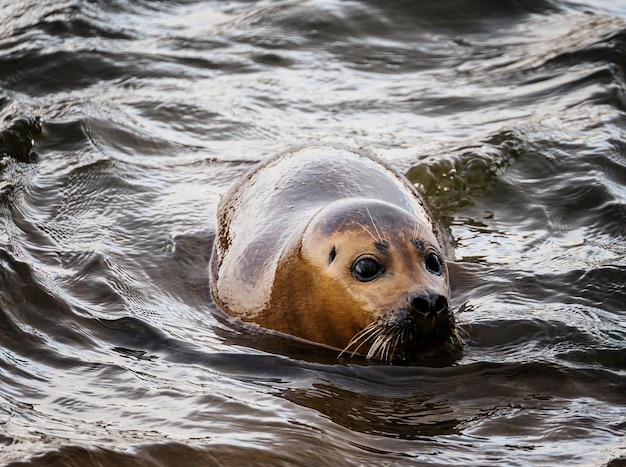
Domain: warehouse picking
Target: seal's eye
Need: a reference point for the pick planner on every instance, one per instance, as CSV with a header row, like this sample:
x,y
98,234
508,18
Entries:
x,y
433,264
366,269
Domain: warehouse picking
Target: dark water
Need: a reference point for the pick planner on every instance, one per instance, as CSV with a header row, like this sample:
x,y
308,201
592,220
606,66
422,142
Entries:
x,y
124,121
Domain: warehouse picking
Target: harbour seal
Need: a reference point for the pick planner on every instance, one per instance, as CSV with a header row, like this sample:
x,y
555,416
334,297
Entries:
x,y
332,246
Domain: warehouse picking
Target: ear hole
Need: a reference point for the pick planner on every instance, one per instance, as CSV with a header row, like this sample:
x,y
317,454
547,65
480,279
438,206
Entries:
x,y
331,256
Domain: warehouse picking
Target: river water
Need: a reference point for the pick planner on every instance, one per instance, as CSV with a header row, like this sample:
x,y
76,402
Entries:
x,y
123,122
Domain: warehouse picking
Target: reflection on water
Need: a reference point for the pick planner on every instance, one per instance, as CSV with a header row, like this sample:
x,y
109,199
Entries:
x,y
123,122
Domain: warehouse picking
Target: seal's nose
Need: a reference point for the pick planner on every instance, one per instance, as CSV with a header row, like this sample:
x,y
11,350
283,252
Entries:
x,y
429,304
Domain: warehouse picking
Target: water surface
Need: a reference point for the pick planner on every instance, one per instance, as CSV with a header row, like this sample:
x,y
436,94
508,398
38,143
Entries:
x,y
123,122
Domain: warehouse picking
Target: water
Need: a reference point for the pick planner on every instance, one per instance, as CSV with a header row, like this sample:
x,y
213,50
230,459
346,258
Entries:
x,y
123,122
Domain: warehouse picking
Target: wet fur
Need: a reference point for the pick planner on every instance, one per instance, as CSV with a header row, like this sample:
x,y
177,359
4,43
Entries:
x,y
387,335
286,233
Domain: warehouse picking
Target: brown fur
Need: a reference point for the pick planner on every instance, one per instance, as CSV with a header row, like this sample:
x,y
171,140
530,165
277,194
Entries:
x,y
289,268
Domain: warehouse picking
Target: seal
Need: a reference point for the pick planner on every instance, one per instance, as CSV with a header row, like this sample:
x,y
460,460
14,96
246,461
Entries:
x,y
332,246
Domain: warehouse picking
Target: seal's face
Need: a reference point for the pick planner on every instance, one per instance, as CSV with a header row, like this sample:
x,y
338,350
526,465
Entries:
x,y
376,282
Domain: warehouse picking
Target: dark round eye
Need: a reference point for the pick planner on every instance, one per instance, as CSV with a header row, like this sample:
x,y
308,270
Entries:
x,y
366,269
433,264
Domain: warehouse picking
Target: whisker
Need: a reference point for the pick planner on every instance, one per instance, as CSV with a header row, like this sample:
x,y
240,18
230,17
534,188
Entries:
x,y
383,346
455,337
372,350
378,343
390,349
380,237
386,339
399,340
400,337
384,351
368,231
363,335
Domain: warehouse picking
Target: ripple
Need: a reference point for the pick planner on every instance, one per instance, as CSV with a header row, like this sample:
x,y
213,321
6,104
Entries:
x,y
509,117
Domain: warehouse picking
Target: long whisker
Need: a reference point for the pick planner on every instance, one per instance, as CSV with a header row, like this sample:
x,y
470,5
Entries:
x,y
455,337
378,343
386,346
368,231
418,230
364,338
389,349
398,339
364,341
363,335
380,237
385,340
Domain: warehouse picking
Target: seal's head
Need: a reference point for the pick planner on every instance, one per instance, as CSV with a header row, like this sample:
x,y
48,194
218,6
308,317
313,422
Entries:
x,y
367,277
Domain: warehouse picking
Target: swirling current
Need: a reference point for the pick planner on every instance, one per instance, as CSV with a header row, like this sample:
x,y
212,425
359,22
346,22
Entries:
x,y
122,122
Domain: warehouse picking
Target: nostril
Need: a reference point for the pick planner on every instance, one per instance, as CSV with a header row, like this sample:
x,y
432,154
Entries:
x,y
429,304
420,304
440,304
